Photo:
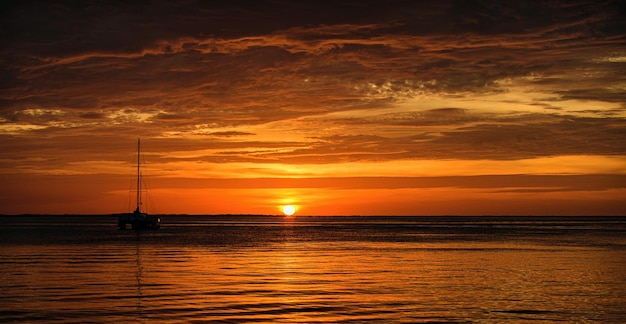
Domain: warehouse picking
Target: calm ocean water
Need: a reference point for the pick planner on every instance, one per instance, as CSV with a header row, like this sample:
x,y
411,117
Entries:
x,y
73,269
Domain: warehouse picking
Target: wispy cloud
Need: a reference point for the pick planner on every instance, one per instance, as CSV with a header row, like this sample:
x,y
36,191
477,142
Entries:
x,y
310,84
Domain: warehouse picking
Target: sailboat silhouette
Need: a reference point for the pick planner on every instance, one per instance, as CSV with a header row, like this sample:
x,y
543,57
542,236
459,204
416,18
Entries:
x,y
138,219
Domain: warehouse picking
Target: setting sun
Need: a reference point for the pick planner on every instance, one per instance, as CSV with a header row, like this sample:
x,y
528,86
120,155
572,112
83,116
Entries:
x,y
289,210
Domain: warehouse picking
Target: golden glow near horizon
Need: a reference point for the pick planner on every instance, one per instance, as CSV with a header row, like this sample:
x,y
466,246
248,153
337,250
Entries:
x,y
418,111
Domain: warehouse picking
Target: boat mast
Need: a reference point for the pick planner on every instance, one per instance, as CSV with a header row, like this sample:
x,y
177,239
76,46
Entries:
x,y
138,176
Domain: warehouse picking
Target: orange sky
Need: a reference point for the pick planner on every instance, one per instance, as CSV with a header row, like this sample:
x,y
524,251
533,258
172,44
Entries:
x,y
338,108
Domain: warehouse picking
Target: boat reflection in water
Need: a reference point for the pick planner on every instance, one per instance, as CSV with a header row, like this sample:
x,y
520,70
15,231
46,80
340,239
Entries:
x,y
138,219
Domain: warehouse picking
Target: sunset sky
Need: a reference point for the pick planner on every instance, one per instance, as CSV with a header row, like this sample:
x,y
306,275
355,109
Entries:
x,y
336,107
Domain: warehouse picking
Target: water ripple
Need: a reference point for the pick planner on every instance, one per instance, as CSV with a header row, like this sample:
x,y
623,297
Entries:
x,y
347,270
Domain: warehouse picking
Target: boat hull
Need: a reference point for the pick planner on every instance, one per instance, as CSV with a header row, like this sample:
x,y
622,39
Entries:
x,y
138,221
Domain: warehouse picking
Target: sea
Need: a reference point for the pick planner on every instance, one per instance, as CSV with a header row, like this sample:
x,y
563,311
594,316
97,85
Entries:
x,y
273,269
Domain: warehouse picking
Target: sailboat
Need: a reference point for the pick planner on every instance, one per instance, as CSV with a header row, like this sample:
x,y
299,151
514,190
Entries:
x,y
138,219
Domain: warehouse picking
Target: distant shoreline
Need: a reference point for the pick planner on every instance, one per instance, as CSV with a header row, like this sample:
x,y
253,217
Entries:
x,y
322,216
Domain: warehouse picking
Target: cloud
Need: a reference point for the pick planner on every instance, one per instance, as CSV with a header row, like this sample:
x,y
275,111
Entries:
x,y
395,56
309,83
92,115
503,183
230,134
